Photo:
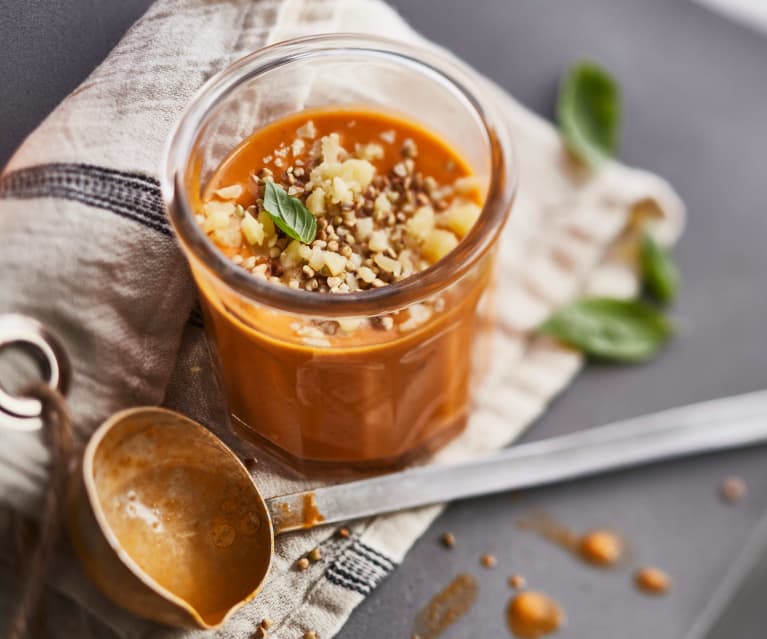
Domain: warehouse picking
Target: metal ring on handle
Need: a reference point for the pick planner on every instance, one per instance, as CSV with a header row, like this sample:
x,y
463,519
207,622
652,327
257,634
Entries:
x,y
23,413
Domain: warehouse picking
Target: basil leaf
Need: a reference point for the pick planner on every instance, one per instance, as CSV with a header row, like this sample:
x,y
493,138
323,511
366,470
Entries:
x,y
589,113
610,329
289,214
660,276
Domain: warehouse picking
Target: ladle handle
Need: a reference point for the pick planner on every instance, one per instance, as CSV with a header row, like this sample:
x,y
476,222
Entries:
x,y
698,428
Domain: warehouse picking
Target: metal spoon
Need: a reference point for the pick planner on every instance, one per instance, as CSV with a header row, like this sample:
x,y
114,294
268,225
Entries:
x,y
172,526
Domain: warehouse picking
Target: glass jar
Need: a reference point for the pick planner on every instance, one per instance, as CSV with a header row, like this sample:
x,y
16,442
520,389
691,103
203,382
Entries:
x,y
396,383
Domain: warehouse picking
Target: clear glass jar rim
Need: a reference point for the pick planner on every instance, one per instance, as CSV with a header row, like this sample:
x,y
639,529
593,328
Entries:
x,y
462,80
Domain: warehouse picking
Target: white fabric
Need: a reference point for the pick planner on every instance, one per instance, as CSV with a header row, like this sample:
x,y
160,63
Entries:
x,y
119,295
750,12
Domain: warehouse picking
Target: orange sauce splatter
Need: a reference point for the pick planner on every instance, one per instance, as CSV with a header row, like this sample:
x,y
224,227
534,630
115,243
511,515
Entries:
x,y
652,581
309,515
447,606
533,614
599,547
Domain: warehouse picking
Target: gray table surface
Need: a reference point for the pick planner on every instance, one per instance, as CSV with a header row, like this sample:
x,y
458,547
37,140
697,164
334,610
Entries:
x,y
695,91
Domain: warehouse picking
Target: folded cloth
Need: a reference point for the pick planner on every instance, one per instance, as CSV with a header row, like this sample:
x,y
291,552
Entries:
x,y
87,249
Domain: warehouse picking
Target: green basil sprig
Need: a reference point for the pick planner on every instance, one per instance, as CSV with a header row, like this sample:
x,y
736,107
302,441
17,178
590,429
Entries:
x,y
615,330
660,275
589,113
626,331
289,214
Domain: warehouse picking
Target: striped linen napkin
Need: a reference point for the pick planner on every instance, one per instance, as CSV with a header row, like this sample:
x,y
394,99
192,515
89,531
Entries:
x,y
88,250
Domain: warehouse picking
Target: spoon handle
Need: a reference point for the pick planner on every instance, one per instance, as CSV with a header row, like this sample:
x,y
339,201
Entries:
x,y
698,428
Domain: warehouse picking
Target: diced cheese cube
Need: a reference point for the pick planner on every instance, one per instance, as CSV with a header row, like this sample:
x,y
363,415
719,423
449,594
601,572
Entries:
x,y
421,224
357,173
305,251
316,201
267,223
291,256
229,192
341,193
230,234
351,282
467,185
297,147
336,264
252,229
321,177
355,260
388,264
363,227
217,214
460,217
317,259
308,130
366,274
369,151
406,259
438,244
331,147
382,205
378,241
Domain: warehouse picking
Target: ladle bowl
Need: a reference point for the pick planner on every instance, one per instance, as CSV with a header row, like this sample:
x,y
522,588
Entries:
x,y
167,520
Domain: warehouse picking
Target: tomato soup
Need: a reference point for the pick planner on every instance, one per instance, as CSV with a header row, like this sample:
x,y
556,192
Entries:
x,y
335,202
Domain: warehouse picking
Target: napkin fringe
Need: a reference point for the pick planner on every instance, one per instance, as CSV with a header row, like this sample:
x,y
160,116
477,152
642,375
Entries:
x,y
359,568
